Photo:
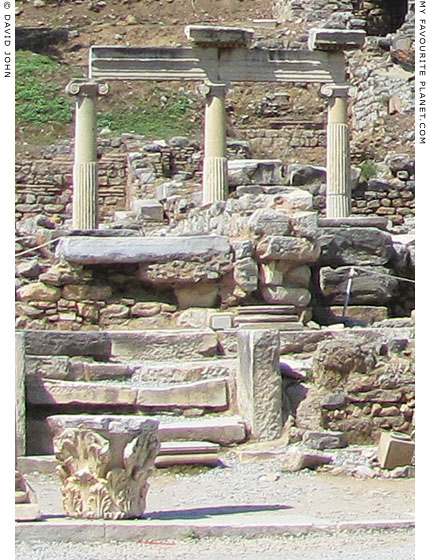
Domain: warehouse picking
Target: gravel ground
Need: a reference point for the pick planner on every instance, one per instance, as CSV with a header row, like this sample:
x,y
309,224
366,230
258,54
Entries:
x,y
361,545
200,491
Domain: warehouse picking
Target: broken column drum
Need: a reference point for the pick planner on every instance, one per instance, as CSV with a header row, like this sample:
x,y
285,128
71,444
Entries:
x,y
104,469
85,180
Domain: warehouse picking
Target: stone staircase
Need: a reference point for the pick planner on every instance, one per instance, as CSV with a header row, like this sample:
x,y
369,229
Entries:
x,y
175,376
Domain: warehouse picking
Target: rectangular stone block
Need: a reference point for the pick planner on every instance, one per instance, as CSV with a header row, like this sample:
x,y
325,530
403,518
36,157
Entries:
x,y
259,386
111,250
395,450
67,392
56,343
221,321
336,39
167,344
202,394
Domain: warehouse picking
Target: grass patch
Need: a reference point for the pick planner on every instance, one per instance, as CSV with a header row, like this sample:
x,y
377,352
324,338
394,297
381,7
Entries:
x,y
39,98
151,118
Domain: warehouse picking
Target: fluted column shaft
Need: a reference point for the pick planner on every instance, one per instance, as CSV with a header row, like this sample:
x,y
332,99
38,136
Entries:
x,y
215,182
85,178
338,201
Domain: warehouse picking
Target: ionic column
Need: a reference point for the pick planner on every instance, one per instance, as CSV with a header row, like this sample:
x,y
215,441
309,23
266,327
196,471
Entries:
x,y
215,182
338,203
85,180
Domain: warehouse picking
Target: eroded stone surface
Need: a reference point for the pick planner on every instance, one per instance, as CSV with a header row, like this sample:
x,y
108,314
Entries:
x,y
259,391
104,472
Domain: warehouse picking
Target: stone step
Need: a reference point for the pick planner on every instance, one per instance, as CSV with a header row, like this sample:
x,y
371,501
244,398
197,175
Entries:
x,y
163,344
176,371
124,345
171,453
206,459
210,394
269,324
264,318
224,430
269,309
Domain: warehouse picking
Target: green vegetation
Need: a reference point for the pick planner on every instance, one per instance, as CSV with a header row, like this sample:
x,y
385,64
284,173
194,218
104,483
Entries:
x,y
152,118
39,99
44,111
368,170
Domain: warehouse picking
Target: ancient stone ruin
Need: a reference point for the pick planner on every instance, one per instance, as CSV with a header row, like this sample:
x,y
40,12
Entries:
x,y
190,297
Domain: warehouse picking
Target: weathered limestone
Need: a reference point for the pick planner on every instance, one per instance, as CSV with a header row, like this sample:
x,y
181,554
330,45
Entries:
x,y
104,471
19,394
335,41
395,450
215,182
111,250
85,182
26,506
164,344
355,246
291,249
259,391
338,204
184,371
254,172
225,430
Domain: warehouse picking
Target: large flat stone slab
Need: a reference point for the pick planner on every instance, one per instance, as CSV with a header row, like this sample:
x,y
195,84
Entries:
x,y
225,430
219,36
336,39
58,343
202,394
163,344
116,250
42,392
184,371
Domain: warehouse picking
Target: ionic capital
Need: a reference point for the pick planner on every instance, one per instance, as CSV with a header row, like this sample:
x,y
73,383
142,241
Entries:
x,y
328,91
86,88
211,89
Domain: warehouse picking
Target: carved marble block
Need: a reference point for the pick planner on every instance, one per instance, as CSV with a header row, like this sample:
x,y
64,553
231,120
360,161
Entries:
x,y
104,473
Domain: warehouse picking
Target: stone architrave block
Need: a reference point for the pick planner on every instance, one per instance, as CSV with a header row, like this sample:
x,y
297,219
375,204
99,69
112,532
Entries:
x,y
259,384
111,250
336,39
292,249
395,450
355,245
